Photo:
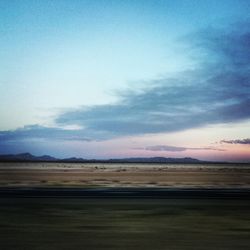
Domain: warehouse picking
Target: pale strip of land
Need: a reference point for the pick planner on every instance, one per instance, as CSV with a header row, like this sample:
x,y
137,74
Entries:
x,y
124,175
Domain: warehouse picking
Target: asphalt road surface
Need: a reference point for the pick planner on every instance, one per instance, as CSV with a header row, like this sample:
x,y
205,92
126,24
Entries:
x,y
136,193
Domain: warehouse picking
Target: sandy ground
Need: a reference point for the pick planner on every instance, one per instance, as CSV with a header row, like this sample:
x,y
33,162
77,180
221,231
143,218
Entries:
x,y
124,175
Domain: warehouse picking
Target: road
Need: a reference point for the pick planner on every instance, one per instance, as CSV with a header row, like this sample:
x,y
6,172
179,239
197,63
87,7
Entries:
x,y
135,193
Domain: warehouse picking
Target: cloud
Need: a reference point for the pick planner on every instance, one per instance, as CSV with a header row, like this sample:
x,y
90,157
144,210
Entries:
x,y
39,132
238,141
217,91
176,149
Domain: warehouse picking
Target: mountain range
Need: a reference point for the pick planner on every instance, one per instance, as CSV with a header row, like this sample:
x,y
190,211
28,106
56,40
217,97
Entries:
x,y
27,157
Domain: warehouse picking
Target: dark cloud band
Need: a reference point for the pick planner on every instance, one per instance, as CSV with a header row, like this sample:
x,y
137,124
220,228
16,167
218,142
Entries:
x,y
177,149
217,92
243,141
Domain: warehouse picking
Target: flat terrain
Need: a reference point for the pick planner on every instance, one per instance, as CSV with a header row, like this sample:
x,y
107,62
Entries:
x,y
124,175
129,224
59,206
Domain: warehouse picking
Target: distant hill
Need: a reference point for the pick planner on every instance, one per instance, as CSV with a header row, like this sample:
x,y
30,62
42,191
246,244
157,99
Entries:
x,y
157,160
27,157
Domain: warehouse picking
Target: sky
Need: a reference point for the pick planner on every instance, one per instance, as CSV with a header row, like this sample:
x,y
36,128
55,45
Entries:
x,y
112,79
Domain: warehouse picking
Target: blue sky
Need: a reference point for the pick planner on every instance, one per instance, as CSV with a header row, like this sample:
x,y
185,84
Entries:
x,y
107,79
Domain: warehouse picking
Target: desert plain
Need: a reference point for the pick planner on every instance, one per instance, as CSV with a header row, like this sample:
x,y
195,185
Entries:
x,y
42,174
36,214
